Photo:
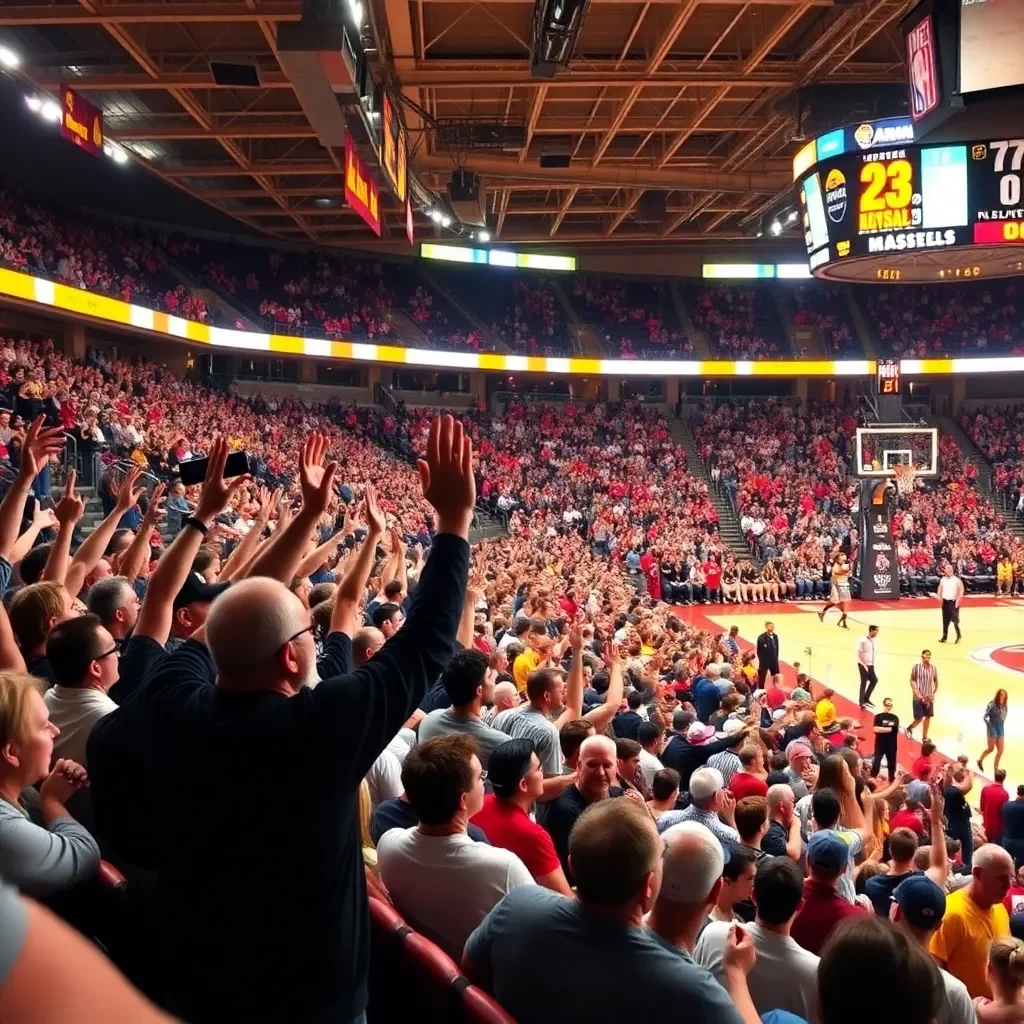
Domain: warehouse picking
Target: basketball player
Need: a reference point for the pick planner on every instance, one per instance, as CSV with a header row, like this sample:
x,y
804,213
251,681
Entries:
x,y
950,593
840,596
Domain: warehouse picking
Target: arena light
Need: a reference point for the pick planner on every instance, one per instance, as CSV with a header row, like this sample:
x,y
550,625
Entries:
x,y
446,221
117,154
791,218
434,215
355,8
483,236
51,112
775,227
34,103
9,59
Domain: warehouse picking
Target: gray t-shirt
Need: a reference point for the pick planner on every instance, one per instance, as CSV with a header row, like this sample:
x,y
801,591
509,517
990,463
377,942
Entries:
x,y
534,725
531,987
447,722
13,926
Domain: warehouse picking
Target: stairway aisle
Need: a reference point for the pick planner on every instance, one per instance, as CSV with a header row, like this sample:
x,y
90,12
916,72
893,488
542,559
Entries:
x,y
492,340
972,453
697,337
728,523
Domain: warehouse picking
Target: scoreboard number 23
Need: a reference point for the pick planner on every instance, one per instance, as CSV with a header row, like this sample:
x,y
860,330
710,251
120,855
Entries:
x,y
889,185
1008,156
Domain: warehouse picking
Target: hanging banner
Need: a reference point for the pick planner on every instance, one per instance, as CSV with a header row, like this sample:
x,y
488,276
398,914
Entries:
x,y
408,223
362,192
81,122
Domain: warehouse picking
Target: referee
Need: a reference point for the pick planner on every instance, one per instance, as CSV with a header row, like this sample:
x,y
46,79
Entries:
x,y
951,593
924,682
866,666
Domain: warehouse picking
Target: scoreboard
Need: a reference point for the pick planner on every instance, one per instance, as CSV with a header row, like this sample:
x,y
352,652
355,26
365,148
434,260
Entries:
x,y
887,377
877,207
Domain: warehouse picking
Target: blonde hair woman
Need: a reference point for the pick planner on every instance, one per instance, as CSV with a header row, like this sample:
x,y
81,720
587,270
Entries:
x,y
1005,973
55,852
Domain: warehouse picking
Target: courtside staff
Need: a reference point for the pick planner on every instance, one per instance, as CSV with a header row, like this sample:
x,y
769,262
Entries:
x,y
951,593
924,682
866,666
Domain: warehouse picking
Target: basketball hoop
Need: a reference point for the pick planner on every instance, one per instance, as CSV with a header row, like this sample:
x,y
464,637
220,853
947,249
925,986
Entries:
x,y
904,476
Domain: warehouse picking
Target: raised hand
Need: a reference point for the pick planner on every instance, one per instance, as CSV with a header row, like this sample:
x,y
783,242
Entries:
x,y
70,508
268,502
39,444
155,512
43,518
316,479
446,476
128,495
372,511
216,490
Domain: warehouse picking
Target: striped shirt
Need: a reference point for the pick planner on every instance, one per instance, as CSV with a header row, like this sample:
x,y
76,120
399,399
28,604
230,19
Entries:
x,y
727,763
534,725
719,829
923,677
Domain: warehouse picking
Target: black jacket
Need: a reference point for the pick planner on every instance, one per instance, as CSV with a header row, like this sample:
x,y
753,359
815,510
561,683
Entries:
x,y
265,911
768,651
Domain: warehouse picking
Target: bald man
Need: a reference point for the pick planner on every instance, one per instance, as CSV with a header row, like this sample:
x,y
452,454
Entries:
x,y
505,696
595,780
257,776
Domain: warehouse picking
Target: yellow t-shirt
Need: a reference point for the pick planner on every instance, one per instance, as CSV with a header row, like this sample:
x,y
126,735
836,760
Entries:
x,y
824,713
525,664
963,938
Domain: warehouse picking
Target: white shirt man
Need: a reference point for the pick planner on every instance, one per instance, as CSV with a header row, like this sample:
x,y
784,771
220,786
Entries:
x,y
75,711
784,976
442,881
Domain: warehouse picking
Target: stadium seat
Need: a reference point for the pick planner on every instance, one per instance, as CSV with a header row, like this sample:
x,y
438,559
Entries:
x,y
480,1008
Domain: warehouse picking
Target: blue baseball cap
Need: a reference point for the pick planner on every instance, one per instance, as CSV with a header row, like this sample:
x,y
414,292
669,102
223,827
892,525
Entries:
x,y
827,851
921,902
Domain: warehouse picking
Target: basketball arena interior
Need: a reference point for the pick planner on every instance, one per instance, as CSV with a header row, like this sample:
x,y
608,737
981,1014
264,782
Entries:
x,y
456,447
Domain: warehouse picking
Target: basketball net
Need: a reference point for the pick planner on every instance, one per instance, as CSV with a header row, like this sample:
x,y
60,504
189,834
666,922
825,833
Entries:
x,y
904,476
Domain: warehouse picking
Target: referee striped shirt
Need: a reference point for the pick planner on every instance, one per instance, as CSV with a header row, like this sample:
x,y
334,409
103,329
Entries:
x,y
528,723
923,677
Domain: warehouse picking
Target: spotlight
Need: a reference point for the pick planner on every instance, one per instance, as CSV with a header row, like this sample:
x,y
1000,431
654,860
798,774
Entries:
x,y
445,220
792,217
483,236
434,215
51,112
34,103
775,227
118,155
8,58
356,10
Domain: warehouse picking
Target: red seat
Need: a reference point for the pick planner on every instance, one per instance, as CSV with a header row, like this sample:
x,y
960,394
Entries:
x,y
480,1008
430,960
109,877
385,919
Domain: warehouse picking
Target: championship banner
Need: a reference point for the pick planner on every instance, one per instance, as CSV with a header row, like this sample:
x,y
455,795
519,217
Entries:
x,y
408,223
879,569
362,192
81,123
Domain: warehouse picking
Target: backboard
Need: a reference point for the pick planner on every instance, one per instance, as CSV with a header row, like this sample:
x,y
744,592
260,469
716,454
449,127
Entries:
x,y
883,446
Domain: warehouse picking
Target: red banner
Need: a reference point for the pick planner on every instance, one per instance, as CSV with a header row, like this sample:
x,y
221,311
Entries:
x,y
81,123
408,223
362,192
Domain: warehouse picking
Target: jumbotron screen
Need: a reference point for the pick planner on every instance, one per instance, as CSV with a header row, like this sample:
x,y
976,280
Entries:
x,y
877,207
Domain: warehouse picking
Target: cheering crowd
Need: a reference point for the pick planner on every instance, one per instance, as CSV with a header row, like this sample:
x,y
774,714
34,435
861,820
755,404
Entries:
x,y
508,744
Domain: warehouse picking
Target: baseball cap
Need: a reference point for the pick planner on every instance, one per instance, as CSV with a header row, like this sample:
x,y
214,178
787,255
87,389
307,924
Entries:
x,y
921,901
699,733
508,763
705,783
686,878
731,726
799,748
195,588
827,852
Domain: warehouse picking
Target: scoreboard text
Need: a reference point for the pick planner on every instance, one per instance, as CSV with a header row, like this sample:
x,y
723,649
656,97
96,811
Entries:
x,y
888,377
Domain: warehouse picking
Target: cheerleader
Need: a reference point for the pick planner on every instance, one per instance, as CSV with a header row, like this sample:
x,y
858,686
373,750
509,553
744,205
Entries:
x,y
840,596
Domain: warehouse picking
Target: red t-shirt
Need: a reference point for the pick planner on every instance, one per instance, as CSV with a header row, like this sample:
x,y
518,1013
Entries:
x,y
744,784
510,827
907,819
1014,899
991,802
775,697
823,909
922,768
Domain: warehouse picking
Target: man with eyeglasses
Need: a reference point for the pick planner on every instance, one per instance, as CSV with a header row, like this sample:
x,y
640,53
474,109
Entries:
x,y
256,774
439,879
85,660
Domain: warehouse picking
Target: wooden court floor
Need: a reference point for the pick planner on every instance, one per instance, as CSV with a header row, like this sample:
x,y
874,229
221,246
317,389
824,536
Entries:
x,y
990,657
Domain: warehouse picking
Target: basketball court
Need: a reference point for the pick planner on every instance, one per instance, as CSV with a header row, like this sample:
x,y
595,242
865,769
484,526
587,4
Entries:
x,y
990,657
